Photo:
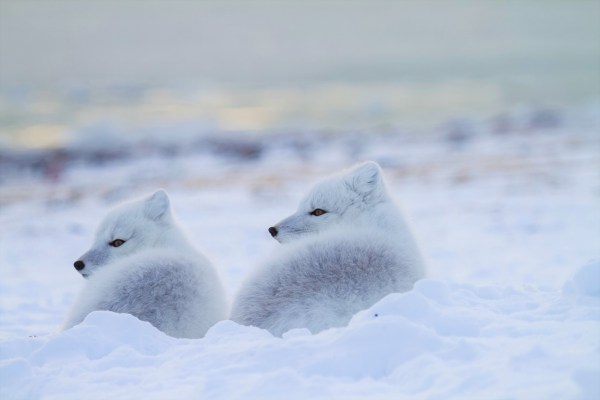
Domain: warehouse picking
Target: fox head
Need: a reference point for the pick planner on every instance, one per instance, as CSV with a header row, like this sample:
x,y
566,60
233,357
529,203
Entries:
x,y
349,198
127,229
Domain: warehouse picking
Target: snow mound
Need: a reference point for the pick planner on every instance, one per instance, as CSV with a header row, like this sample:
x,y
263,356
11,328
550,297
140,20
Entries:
x,y
440,340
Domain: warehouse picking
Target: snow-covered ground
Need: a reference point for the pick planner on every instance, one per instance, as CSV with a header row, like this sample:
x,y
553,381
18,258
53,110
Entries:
x,y
507,213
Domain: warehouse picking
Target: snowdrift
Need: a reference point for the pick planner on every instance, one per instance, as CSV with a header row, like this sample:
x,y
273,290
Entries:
x,y
441,340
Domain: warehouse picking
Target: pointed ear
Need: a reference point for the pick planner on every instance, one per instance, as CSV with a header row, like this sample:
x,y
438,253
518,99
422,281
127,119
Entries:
x,y
156,205
365,178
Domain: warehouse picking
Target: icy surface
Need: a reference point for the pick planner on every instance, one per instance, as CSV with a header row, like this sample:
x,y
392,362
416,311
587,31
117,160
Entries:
x,y
510,225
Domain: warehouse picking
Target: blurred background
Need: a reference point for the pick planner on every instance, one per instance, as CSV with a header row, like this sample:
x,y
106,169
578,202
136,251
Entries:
x,y
108,72
197,93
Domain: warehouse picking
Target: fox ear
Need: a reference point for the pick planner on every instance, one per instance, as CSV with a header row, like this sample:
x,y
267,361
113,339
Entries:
x,y
365,178
156,205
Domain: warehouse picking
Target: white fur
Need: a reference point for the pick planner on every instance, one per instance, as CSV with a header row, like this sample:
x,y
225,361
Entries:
x,y
353,199
156,275
336,264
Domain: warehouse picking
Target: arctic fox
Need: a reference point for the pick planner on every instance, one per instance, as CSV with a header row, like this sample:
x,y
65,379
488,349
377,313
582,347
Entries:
x,y
345,248
141,263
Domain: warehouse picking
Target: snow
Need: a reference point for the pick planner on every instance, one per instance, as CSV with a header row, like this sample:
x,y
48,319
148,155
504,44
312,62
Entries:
x,y
442,340
509,223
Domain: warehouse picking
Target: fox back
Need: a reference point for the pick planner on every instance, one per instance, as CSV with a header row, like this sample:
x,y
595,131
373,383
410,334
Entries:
x,y
141,263
345,248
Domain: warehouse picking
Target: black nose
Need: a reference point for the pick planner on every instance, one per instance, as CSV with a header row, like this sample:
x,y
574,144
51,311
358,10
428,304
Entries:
x,y
79,265
273,231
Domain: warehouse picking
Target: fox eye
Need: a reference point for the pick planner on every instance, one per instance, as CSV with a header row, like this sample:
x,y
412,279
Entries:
x,y
317,212
117,243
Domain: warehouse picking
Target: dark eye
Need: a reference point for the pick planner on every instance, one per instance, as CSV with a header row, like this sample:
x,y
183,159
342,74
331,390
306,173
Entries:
x,y
117,242
317,212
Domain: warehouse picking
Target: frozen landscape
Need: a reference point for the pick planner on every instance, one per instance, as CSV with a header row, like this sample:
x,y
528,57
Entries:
x,y
484,117
508,220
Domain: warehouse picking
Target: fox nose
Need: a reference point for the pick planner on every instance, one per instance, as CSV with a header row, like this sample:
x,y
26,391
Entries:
x,y
273,231
79,265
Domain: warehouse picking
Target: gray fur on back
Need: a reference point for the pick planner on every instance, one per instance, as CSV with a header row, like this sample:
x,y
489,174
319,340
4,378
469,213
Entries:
x,y
180,295
323,281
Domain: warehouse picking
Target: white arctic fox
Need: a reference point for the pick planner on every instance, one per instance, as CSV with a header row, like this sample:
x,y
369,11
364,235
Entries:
x,y
345,248
141,263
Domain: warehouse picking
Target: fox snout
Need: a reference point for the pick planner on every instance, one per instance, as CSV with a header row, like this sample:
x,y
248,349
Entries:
x,y
79,265
273,231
